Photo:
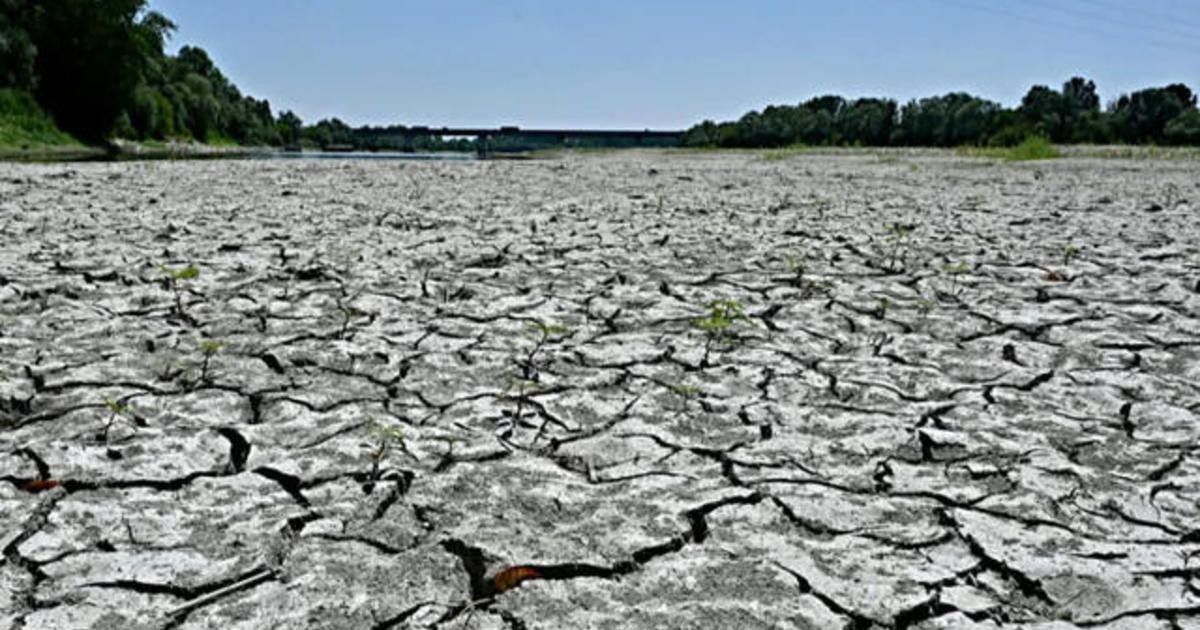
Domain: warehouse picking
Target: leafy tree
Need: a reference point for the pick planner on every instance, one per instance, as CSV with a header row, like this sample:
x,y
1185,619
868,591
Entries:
x,y
1143,115
1044,109
1184,128
868,121
1079,96
949,120
90,54
289,127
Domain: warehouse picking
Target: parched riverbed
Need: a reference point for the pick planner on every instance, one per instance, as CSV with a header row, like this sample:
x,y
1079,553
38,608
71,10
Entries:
x,y
635,390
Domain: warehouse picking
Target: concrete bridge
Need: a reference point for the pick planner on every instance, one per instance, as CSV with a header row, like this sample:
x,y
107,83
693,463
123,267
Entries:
x,y
561,135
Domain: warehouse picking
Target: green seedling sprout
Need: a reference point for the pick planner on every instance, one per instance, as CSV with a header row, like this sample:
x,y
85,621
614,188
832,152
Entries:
x,y
718,325
174,277
541,334
955,271
118,410
383,438
797,264
684,392
523,388
881,307
896,238
209,348
1070,252
349,314
822,206
187,273
924,307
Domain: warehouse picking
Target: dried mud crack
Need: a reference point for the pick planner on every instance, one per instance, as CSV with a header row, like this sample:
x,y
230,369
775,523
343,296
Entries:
x,y
871,390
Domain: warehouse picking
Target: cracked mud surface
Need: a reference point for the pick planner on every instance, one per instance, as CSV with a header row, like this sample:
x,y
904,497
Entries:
x,y
477,395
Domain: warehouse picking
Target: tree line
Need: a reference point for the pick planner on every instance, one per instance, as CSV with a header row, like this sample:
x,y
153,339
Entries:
x,y
99,70
1162,115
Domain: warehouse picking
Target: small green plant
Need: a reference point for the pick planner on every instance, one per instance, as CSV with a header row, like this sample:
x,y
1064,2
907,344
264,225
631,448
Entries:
x,y
118,410
718,325
174,277
523,388
797,264
955,271
822,206
209,348
924,308
187,273
881,307
685,392
1070,252
541,334
894,253
349,314
383,439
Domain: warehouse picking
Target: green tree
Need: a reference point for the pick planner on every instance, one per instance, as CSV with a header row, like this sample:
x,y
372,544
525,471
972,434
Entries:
x,y
1184,128
1143,115
90,55
289,127
868,121
1079,95
1044,109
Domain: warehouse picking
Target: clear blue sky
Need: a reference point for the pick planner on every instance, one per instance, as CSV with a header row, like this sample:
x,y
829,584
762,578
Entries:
x,y
670,63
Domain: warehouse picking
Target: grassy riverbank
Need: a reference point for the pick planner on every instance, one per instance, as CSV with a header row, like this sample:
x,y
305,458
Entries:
x,y
26,132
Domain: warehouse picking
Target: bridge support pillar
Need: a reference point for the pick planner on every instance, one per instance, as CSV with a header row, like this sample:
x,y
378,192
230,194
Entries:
x,y
483,146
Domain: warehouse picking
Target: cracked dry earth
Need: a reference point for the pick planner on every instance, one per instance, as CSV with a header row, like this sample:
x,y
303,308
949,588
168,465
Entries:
x,y
478,394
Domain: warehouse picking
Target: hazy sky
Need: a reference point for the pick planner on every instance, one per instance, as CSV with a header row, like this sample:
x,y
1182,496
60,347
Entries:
x,y
670,63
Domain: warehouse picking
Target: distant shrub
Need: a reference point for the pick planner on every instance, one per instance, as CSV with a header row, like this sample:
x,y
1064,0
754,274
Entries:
x,y
1031,148
777,155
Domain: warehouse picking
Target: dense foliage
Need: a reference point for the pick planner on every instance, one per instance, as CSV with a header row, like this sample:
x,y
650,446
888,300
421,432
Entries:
x,y
1165,115
98,68
24,124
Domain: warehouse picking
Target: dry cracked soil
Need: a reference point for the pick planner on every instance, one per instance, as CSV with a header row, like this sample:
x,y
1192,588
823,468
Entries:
x,y
637,390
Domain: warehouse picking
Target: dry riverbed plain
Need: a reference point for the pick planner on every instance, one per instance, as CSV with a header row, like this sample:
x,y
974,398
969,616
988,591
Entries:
x,y
630,390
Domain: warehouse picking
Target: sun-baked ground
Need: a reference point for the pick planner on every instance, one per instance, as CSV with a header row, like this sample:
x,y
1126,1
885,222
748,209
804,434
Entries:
x,y
636,390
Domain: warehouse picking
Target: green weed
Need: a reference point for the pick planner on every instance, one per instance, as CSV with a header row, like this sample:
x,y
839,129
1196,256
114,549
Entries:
x,y
778,155
955,271
383,439
1070,252
896,249
174,278
1031,148
209,348
118,410
720,325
